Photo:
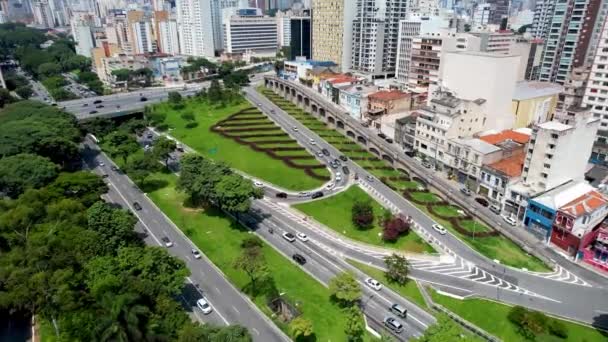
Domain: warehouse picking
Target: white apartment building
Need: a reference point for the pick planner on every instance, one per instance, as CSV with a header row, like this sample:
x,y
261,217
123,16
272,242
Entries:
x,y
408,30
492,77
596,91
284,29
251,34
43,15
426,8
559,151
217,18
495,42
169,37
464,158
195,27
541,22
481,15
445,118
142,37
375,35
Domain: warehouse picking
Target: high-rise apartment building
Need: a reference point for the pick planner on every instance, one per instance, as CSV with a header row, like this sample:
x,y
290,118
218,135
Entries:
x,y
596,90
167,35
408,30
541,22
375,35
568,35
217,10
481,15
43,15
143,41
499,10
332,31
195,26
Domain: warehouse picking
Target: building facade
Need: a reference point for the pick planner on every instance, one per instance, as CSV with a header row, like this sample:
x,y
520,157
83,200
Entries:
x,y
195,27
300,38
332,31
246,34
408,30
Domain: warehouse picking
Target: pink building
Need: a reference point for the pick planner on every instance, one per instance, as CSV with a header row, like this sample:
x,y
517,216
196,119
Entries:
x,y
577,227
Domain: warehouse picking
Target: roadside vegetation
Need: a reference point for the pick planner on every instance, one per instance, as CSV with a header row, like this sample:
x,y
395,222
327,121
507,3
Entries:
x,y
493,245
336,212
193,201
516,323
221,125
70,259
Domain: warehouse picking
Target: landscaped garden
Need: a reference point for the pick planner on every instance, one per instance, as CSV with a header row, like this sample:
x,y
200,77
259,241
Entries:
x,y
495,318
477,235
244,138
336,213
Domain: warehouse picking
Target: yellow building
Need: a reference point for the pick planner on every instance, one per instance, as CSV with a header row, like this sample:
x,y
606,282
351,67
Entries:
x,y
534,102
332,31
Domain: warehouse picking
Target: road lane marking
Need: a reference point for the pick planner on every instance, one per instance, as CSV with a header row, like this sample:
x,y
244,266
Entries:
x,y
236,310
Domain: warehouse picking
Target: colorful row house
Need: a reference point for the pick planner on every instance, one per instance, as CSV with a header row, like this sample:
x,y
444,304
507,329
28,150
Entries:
x,y
579,229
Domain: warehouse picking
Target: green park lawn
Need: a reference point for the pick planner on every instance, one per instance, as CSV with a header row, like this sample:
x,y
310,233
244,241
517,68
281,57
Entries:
x,y
427,197
335,213
409,291
219,237
492,317
238,156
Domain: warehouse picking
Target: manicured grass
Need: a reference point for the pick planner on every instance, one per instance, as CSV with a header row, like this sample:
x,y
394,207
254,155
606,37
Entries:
x,y
219,237
238,156
496,247
492,317
409,291
46,331
474,226
427,197
447,210
335,213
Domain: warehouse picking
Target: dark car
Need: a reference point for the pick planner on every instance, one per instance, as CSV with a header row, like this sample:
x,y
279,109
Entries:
x,y
281,195
382,135
149,136
136,206
317,194
410,154
143,99
99,106
334,165
325,152
337,161
345,170
343,158
299,259
97,101
85,104
93,112
114,168
389,140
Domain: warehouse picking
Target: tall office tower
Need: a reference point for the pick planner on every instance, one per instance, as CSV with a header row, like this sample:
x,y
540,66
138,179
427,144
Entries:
x,y
250,33
195,26
284,28
300,38
143,41
408,30
596,90
499,10
567,42
481,15
59,12
541,22
43,15
167,38
332,31
594,25
217,9
375,35
426,7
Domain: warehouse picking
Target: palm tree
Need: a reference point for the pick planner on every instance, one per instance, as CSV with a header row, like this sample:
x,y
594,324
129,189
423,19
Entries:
x,y
122,318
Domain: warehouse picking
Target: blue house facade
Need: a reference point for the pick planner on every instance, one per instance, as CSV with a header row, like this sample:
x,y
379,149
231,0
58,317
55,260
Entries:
x,y
539,219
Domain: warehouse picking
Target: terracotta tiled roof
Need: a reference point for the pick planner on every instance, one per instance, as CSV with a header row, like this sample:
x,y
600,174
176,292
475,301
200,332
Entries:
x,y
585,204
389,95
511,166
505,135
341,79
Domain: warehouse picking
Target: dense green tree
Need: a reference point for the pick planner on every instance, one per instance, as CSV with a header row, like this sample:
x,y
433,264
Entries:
x,y
122,318
23,171
84,186
163,147
345,289
209,333
99,127
121,75
121,144
175,98
114,225
61,151
362,214
446,330
300,327
134,126
49,69
140,167
5,97
25,92
199,177
397,268
252,262
355,326
233,193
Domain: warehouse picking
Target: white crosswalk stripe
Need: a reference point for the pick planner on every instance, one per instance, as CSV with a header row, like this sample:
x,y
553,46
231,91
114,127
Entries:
x,y
564,276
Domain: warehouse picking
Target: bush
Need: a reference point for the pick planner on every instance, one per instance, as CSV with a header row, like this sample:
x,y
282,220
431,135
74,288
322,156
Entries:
x,y
390,234
530,323
362,215
191,124
558,329
162,127
397,224
187,116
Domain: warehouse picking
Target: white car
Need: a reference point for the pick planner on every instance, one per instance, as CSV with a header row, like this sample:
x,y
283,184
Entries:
x,y
439,229
289,237
510,220
338,178
303,193
258,184
196,253
203,304
167,242
329,186
295,129
302,237
313,142
373,283
102,164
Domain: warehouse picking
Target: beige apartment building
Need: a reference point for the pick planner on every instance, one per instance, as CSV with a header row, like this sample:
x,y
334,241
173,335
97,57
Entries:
x,y
332,31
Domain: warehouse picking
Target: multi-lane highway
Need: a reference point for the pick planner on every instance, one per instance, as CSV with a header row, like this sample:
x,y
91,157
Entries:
x,y
571,295
230,305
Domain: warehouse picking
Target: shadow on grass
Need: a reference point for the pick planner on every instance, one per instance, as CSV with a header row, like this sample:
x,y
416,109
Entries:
x,y
309,338
600,323
152,185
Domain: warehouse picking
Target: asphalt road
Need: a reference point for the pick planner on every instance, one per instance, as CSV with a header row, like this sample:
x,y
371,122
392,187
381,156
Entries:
x,y
230,306
575,301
